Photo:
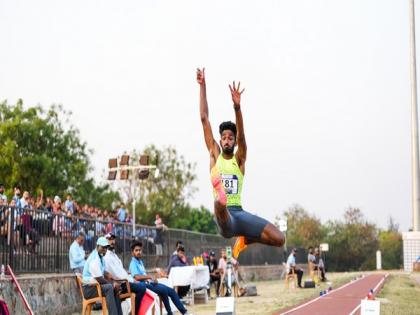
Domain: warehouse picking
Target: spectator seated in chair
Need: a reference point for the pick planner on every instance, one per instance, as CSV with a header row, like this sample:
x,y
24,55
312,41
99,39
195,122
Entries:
x,y
77,254
179,260
115,268
138,271
94,269
292,267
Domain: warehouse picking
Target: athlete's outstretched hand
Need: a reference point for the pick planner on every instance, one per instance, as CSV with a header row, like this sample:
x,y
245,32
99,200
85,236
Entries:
x,y
200,76
236,94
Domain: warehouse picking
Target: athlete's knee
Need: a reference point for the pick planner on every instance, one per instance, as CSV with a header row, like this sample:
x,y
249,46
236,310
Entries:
x,y
273,235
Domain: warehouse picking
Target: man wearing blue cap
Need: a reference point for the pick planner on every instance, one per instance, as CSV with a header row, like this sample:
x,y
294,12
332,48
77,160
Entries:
x,y
94,269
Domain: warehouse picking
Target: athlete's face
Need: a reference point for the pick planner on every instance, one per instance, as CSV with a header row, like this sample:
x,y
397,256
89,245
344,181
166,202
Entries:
x,y
228,142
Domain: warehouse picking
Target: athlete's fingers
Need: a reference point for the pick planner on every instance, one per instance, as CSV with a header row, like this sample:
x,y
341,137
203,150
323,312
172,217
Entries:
x,y
231,90
242,91
234,87
239,84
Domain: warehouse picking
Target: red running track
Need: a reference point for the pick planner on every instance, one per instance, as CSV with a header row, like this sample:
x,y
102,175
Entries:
x,y
343,301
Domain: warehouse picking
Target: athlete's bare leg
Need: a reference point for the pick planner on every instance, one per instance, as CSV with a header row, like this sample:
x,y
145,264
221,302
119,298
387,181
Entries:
x,y
271,235
220,209
221,212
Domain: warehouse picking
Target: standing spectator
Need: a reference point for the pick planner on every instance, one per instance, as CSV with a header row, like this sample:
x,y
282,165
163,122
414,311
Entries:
x,y
159,239
58,220
77,254
311,256
2,195
291,266
138,271
95,269
214,272
24,200
114,266
16,197
121,213
68,205
320,264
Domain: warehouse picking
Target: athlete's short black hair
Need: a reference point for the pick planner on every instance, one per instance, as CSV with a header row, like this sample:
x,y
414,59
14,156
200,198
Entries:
x,y
227,125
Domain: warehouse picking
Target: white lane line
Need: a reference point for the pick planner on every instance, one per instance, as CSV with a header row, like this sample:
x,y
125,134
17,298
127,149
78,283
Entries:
x,y
316,299
374,290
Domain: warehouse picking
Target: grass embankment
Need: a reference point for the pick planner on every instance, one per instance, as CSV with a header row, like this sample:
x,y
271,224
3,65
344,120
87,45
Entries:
x,y
400,295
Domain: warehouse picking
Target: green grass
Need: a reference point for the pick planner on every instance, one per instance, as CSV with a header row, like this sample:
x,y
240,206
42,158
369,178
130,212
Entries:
x,y
400,295
273,296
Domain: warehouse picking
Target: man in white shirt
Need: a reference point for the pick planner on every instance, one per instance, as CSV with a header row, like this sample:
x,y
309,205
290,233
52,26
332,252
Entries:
x,y
115,268
291,267
77,254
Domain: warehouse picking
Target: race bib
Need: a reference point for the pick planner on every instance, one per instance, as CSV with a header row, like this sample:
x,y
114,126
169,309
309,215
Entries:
x,y
230,182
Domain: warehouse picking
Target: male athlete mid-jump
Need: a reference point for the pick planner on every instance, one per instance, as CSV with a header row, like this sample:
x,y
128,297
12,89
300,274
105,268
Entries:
x,y
227,169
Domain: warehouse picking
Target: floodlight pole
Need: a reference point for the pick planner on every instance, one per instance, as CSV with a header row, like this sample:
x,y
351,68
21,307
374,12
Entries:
x,y
133,185
133,218
415,186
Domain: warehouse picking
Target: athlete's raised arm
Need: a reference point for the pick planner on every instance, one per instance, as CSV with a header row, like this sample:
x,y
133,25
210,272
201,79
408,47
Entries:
x,y
211,144
240,137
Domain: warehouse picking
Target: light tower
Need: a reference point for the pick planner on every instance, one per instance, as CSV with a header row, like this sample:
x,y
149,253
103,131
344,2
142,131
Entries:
x,y
411,240
132,171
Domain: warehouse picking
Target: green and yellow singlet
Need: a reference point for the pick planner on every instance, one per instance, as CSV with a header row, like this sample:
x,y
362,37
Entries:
x,y
232,179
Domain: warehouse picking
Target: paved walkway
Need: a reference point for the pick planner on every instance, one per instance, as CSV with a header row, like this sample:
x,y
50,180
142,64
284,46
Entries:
x,y
342,301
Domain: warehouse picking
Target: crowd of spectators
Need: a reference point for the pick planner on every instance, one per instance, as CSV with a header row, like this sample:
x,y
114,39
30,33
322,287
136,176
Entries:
x,y
34,217
69,207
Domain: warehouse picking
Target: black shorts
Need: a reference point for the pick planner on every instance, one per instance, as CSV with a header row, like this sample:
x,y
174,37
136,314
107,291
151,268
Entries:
x,y
242,223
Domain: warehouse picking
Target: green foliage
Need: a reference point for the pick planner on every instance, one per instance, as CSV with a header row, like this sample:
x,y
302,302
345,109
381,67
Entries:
x,y
168,193
199,220
390,245
303,229
100,196
43,150
352,243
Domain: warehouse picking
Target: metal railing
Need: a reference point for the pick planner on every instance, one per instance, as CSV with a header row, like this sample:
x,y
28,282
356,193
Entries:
x,y
38,241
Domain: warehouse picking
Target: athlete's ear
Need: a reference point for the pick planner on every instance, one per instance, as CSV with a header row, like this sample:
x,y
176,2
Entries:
x,y
220,142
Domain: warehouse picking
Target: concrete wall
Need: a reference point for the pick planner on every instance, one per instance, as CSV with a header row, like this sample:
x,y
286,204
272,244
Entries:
x,y
264,273
48,294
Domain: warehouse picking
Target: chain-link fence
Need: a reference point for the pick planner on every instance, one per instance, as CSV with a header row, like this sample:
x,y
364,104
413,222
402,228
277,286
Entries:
x,y
39,241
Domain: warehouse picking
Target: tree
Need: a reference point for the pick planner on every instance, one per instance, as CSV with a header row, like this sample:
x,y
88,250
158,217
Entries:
x,y
390,245
43,150
303,229
197,219
352,243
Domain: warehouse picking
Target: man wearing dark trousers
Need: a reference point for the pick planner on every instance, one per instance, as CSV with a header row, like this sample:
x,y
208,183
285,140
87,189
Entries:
x,y
94,269
291,266
138,271
114,267
214,272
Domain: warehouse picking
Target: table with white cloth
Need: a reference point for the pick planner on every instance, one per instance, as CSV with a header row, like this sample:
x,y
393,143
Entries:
x,y
196,277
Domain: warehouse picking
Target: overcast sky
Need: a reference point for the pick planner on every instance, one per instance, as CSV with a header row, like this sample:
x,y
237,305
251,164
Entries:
x,y
326,107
